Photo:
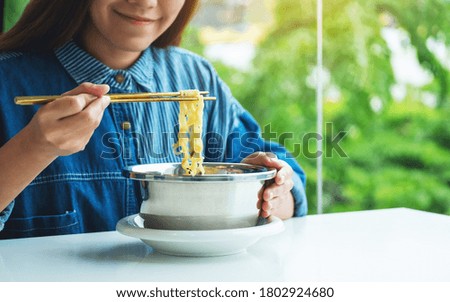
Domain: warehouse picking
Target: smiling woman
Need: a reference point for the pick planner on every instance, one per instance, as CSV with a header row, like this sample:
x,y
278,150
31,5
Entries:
x,y
51,30
118,30
81,50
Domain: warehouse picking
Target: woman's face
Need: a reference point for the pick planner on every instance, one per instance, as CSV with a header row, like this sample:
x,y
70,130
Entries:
x,y
128,25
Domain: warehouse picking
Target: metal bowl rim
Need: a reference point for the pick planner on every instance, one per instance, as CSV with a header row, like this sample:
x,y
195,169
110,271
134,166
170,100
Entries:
x,y
263,173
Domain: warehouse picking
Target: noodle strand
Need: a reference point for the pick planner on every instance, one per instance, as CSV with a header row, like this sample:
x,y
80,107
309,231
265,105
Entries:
x,y
190,143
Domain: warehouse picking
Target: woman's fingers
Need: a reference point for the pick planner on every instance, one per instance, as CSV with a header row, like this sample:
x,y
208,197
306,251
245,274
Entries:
x,y
81,126
266,159
68,105
284,173
276,197
74,101
89,117
266,207
276,190
97,90
270,197
66,125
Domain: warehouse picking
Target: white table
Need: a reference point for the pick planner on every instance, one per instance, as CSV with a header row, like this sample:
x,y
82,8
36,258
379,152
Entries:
x,y
381,245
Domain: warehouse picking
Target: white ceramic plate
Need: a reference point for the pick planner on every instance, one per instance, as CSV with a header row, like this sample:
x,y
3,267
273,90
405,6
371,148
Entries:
x,y
198,243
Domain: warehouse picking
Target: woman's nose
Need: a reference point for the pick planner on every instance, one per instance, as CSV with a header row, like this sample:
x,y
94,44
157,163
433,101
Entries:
x,y
145,3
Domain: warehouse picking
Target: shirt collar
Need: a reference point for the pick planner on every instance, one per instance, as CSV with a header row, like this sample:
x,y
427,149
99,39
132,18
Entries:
x,y
83,67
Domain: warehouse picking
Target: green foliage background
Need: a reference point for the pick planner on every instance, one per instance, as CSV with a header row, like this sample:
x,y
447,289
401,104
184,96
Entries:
x,y
398,156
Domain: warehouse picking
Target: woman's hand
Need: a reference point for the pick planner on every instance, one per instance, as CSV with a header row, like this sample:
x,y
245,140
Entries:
x,y
64,126
61,127
275,198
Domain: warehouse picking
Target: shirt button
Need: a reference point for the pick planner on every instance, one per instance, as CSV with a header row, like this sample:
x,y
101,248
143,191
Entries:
x,y
119,78
126,125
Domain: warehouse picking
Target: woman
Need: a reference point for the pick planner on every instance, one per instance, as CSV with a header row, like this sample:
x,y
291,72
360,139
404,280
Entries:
x,y
61,162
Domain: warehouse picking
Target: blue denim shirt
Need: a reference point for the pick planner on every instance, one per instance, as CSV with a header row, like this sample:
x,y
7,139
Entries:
x,y
86,192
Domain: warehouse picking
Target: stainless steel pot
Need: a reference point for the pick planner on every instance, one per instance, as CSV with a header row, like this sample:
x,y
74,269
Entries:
x,y
224,197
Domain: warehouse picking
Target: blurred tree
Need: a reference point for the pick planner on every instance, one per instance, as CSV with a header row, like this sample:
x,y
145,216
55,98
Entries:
x,y
398,152
423,20
12,10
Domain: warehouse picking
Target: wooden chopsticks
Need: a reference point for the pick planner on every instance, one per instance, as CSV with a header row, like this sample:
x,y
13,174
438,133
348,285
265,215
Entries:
x,y
119,98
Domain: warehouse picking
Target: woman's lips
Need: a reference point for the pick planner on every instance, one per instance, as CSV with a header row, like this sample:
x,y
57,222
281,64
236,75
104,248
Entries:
x,y
137,20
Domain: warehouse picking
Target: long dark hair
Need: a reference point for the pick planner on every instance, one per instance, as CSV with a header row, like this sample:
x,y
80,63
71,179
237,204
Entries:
x,y
48,24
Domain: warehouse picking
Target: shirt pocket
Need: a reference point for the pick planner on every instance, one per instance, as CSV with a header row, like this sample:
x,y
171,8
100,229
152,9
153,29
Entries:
x,y
47,225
